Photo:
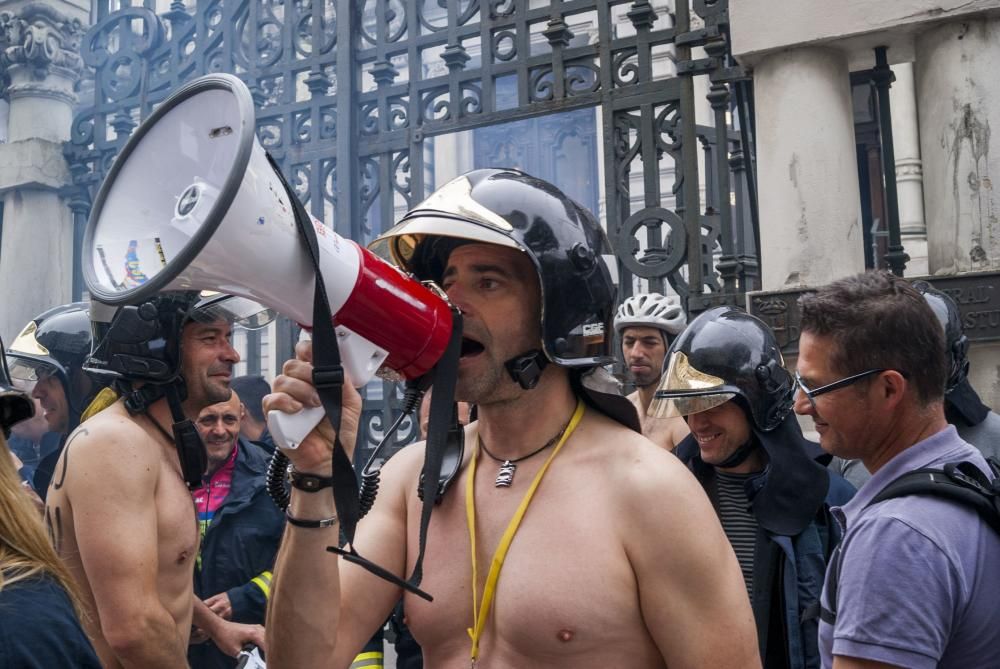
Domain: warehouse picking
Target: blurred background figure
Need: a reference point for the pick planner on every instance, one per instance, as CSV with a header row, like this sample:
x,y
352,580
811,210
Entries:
x,y
30,440
241,529
48,356
39,606
253,427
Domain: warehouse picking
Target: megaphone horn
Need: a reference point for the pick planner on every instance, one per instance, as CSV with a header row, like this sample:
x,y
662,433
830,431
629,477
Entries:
x,y
192,203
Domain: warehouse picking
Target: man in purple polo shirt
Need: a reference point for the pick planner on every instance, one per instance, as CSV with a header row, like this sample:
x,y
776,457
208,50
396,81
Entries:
x,y
918,575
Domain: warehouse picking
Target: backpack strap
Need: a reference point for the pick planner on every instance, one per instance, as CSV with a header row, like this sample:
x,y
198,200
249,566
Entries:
x,y
960,482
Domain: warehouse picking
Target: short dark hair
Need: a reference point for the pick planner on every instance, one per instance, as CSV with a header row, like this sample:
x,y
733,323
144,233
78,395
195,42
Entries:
x,y
879,321
251,389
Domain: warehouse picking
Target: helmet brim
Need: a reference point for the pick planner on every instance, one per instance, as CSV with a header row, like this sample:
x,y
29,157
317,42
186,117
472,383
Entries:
x,y
686,390
29,369
664,406
239,311
399,244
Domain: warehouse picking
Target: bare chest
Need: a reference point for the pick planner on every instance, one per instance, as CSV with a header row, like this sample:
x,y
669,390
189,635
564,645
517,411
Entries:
x,y
564,589
176,522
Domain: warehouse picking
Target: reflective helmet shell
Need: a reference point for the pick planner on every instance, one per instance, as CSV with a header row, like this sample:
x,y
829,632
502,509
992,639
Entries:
x,y
563,240
56,342
654,310
948,314
724,353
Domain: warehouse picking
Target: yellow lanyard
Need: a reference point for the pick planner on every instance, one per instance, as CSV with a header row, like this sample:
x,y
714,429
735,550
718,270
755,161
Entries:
x,y
481,609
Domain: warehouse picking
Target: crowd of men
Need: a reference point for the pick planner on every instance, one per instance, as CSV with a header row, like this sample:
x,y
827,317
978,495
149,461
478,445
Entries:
x,y
689,523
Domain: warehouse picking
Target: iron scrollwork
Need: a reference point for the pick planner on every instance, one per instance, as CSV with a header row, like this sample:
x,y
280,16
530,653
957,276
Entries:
x,y
351,93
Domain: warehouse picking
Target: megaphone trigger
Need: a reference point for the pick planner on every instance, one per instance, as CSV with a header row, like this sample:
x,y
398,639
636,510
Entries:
x,y
289,430
361,358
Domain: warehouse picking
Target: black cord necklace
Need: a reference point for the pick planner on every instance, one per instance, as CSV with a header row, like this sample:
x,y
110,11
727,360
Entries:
x,y
505,476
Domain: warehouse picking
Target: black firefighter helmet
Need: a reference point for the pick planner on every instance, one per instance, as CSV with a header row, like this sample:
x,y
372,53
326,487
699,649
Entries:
x,y
562,239
564,242
56,343
15,405
141,343
726,353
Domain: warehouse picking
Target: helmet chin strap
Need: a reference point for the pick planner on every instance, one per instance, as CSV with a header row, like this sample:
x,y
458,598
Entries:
x,y
739,456
190,448
526,369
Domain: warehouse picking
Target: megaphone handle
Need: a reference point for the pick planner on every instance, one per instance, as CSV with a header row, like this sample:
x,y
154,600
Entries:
x,y
290,429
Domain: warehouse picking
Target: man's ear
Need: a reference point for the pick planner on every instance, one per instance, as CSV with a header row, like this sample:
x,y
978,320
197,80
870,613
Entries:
x,y
892,386
243,411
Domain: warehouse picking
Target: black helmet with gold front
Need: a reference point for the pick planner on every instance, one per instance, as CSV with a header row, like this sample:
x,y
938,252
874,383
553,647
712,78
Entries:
x,y
56,343
563,240
723,354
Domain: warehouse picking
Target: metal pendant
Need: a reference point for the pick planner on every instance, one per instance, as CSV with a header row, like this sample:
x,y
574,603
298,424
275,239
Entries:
x,y
505,476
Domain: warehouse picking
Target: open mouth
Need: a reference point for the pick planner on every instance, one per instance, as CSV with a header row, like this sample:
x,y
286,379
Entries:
x,y
471,347
705,438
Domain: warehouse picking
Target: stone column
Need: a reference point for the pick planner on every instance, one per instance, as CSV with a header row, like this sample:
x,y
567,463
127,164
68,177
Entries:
x,y
41,63
810,211
958,103
909,169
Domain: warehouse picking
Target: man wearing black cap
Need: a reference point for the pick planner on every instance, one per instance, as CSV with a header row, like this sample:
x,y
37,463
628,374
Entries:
x,y
726,376
581,543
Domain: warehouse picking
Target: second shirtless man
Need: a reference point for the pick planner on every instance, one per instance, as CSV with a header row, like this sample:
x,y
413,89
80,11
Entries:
x,y
118,509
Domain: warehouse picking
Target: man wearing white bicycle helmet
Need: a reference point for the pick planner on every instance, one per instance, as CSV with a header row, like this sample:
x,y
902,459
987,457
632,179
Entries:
x,y
646,325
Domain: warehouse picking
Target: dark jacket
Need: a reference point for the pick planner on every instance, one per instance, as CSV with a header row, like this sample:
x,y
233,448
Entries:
x,y
40,630
239,548
793,543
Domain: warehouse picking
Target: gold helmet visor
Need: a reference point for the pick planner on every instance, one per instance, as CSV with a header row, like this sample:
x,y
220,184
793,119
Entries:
x,y
449,211
685,390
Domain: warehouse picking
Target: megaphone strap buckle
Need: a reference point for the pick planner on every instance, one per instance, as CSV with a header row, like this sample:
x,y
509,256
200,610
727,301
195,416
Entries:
x,y
328,377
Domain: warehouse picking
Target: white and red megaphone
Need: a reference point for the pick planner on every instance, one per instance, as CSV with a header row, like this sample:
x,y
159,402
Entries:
x,y
192,203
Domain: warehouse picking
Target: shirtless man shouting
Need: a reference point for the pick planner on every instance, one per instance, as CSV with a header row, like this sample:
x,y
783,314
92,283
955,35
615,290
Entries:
x,y
647,324
118,509
619,559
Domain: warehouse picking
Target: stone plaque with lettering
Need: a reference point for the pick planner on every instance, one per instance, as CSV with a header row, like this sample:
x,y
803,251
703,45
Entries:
x,y
976,293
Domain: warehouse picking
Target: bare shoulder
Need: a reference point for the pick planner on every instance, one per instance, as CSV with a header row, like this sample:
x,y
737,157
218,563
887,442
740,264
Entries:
x,y
641,472
113,446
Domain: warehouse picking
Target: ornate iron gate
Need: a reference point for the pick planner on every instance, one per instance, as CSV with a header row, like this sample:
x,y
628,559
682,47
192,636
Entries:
x,y
368,105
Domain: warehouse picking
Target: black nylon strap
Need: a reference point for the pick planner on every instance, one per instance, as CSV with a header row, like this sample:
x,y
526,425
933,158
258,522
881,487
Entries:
x,y
442,414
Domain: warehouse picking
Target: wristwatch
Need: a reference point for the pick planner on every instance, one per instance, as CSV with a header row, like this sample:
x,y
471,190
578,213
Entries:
x,y
309,482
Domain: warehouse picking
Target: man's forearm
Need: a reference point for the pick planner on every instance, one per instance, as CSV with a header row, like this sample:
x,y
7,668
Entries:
x,y
150,642
304,607
203,617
